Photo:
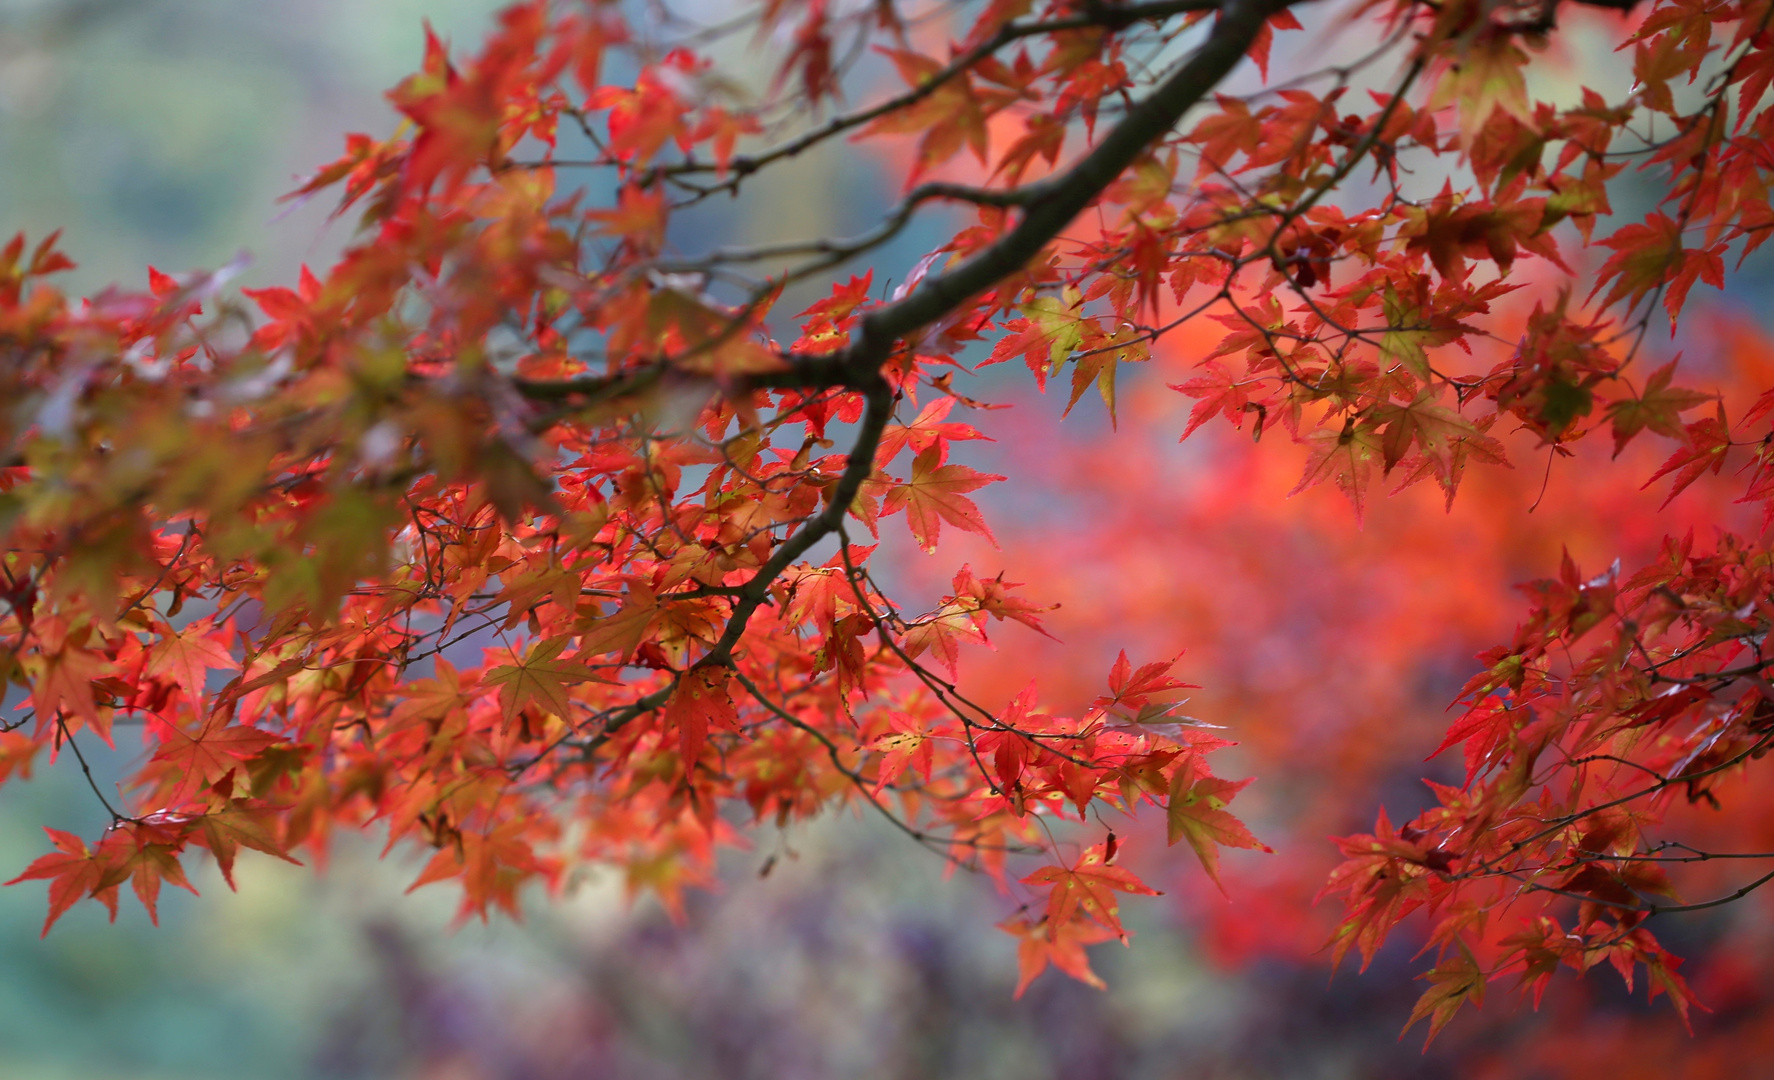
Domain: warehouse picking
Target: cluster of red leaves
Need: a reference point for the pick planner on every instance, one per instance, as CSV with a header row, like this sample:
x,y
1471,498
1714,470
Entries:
x,y
407,557
1622,696
513,426
1591,740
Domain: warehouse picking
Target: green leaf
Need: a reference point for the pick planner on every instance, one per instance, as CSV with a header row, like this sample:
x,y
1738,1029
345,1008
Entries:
x,y
1051,329
1452,983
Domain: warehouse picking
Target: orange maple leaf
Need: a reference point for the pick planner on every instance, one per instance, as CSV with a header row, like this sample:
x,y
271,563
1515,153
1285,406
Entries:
x,y
1088,887
216,749
541,678
187,656
1043,942
934,494
700,701
74,872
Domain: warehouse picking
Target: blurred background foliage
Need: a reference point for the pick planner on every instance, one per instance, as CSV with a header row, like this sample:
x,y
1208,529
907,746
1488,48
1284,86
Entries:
x,y
161,132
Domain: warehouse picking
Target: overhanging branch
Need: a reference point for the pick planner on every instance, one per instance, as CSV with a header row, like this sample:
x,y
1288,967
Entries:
x,y
1058,200
1107,16
1048,210
1048,207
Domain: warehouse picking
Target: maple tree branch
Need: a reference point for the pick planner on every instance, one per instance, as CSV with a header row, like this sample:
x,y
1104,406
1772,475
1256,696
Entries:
x,y
1049,206
1647,909
185,542
591,390
1490,866
1583,857
1106,16
861,784
821,372
1717,102
946,691
937,686
837,251
861,462
1356,155
68,738
614,722
1054,202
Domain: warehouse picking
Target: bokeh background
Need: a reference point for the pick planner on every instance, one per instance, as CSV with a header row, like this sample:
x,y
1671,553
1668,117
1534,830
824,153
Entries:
x,y
160,132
